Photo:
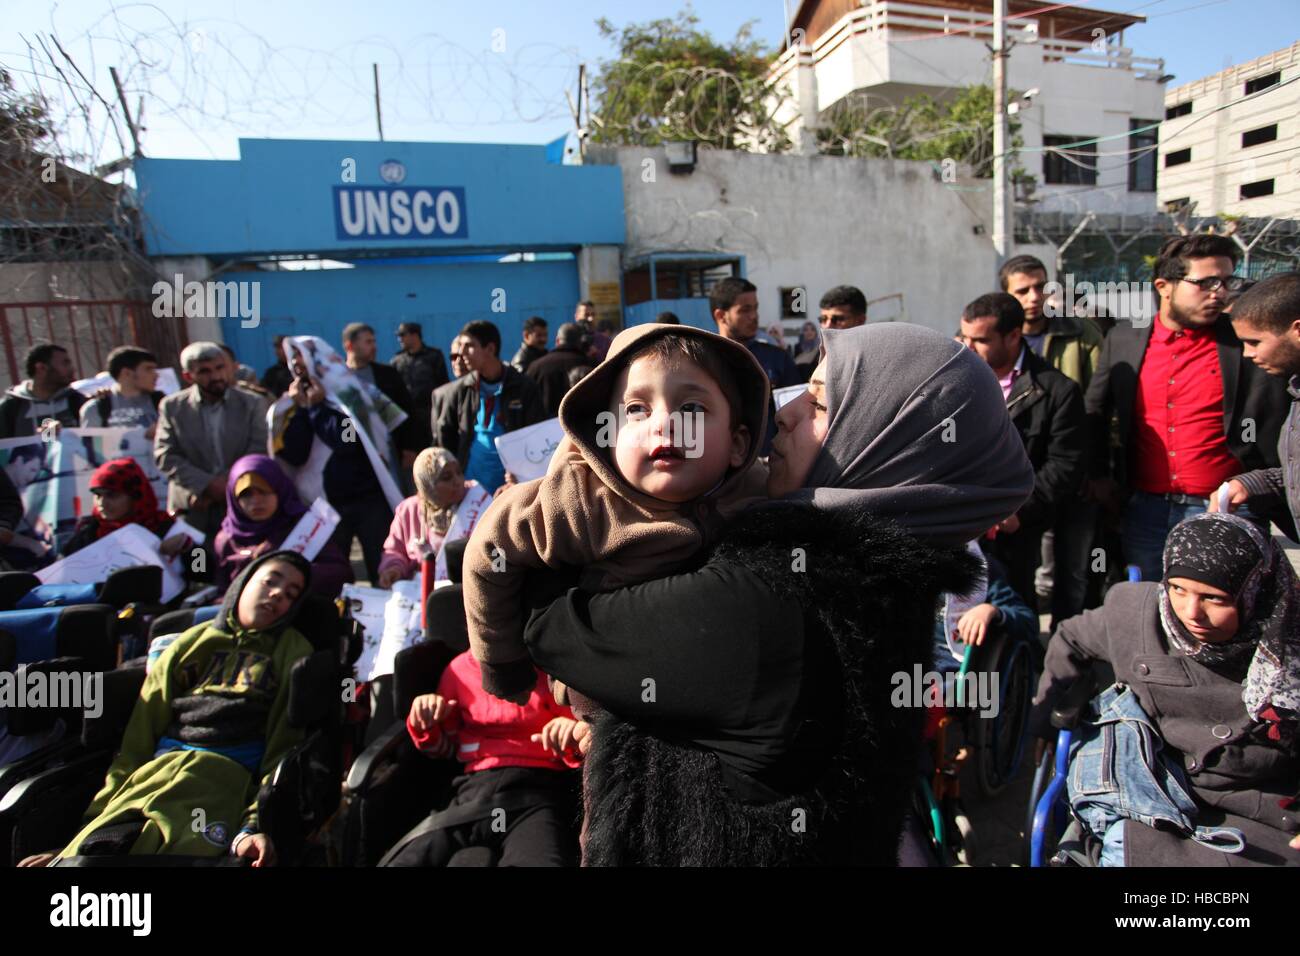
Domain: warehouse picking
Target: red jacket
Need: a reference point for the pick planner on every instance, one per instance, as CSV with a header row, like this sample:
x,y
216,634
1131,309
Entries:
x,y
489,732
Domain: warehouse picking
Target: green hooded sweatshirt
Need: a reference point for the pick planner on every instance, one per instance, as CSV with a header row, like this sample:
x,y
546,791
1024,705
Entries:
x,y
218,686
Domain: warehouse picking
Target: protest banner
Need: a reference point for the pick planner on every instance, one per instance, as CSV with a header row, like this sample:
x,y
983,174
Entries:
x,y
527,451
52,474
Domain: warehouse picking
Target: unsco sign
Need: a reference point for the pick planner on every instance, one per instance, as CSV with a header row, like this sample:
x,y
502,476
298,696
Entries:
x,y
400,212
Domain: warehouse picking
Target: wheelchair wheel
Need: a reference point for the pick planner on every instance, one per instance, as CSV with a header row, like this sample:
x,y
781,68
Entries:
x,y
1000,740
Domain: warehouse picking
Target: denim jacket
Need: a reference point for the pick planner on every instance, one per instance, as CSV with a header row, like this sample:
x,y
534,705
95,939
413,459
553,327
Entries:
x,y
1117,771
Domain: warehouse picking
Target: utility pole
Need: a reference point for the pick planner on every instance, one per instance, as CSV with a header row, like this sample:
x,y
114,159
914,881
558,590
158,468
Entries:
x,y
1002,216
379,117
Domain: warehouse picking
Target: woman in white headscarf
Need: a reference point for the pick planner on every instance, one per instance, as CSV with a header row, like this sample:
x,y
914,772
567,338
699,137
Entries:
x,y
445,507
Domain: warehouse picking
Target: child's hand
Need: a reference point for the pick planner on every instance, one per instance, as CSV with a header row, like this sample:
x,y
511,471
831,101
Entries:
x,y
582,736
973,626
388,577
173,545
429,710
255,847
558,735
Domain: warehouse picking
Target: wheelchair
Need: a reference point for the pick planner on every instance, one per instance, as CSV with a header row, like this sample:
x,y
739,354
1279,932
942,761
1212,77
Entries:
x,y
387,789
1054,838
993,745
41,804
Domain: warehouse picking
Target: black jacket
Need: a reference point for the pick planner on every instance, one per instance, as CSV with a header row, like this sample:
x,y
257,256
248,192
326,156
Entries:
x,y
408,436
551,373
1248,394
422,372
11,503
1237,775
15,409
753,694
520,404
1047,410
526,356
348,476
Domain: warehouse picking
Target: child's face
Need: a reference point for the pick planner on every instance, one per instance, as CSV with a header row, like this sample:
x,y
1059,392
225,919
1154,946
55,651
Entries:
x,y
674,441
269,594
112,505
449,486
257,503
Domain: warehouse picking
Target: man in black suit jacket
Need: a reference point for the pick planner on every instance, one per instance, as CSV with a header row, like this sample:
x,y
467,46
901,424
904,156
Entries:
x,y
1047,410
361,348
1174,407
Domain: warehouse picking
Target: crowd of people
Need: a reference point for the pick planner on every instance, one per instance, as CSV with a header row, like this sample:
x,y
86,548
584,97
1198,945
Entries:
x,y
700,610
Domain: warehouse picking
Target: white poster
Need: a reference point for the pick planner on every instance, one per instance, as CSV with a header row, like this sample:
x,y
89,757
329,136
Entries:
x,y
130,546
312,531
390,621
526,452
52,474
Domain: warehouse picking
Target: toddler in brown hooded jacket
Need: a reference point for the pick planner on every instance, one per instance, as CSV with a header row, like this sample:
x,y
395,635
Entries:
x,y
661,442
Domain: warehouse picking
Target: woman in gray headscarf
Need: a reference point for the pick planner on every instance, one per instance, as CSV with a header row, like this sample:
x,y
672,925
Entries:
x,y
751,709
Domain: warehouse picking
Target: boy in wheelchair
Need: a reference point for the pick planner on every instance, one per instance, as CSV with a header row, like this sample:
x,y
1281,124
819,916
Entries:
x,y
517,794
210,726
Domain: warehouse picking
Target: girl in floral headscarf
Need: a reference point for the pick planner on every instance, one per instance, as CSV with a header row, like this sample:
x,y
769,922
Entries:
x,y
123,496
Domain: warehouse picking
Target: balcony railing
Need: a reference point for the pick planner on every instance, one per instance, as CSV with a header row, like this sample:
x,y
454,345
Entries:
x,y
895,22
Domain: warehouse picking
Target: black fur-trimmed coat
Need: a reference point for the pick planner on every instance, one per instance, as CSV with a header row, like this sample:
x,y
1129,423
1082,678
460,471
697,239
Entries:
x,y
765,735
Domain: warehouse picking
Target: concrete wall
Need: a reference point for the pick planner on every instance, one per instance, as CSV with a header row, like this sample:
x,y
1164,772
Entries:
x,y
816,221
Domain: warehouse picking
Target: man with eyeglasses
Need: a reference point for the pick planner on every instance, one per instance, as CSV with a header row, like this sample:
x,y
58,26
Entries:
x,y
1174,407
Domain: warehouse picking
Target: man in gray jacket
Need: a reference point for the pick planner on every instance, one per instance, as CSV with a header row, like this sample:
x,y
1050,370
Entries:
x,y
1267,320
202,431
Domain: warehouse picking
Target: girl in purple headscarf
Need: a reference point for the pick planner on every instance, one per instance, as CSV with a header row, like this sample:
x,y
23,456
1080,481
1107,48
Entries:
x,y
262,507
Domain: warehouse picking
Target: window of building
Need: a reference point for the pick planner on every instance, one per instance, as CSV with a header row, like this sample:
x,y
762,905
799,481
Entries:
x,y
1142,145
1265,134
1263,82
1173,206
1181,109
1077,167
794,302
1178,157
1254,190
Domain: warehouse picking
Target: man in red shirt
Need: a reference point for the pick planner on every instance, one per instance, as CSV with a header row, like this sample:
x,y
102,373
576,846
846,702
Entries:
x,y
1175,409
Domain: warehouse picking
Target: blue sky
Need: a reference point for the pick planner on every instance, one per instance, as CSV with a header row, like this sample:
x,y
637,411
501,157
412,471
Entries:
x,y
222,69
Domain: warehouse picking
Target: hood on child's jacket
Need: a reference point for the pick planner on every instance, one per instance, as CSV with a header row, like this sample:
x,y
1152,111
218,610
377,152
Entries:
x,y
228,617
583,405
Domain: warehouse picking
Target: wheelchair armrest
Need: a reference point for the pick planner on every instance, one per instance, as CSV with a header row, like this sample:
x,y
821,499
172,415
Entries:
x,y
382,751
1069,710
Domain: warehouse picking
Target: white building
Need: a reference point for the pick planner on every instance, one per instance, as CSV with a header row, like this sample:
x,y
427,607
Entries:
x,y
795,226
1228,142
1089,85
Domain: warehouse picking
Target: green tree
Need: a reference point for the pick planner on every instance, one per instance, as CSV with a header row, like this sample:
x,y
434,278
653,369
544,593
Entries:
x,y
24,120
960,128
672,81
